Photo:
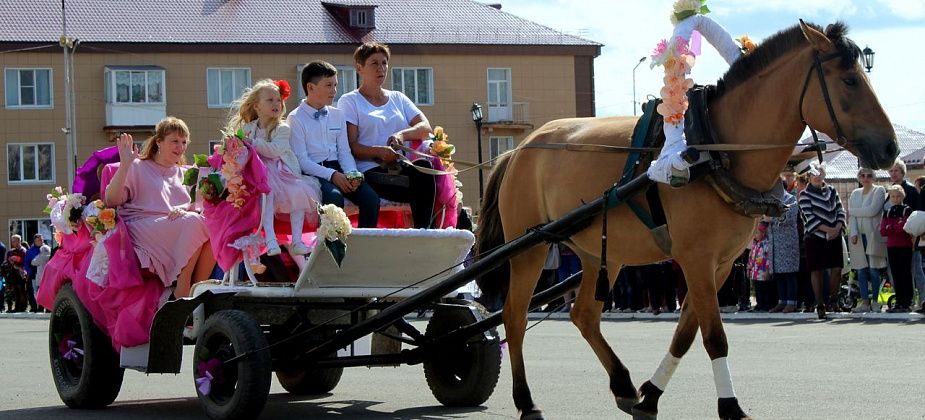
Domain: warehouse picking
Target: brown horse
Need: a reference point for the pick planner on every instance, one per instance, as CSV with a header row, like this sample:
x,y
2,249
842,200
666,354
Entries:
x,y
760,100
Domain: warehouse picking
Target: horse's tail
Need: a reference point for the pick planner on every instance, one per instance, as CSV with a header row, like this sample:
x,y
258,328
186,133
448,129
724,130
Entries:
x,y
489,235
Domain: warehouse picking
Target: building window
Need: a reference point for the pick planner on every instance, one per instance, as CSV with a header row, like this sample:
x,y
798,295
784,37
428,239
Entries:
x,y
27,228
226,85
30,163
499,145
347,81
415,83
499,94
28,88
362,18
212,144
135,86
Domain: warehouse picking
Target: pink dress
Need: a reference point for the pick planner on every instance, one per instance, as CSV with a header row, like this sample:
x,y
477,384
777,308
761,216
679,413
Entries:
x,y
290,191
163,246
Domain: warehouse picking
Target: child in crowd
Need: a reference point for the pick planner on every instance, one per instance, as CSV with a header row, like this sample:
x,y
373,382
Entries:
x,y
259,114
319,141
758,271
898,248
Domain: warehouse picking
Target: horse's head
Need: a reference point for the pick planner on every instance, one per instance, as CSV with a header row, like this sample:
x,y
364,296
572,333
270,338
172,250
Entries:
x,y
852,114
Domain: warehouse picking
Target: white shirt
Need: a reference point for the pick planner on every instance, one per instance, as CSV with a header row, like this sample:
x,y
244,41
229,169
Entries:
x,y
316,140
376,123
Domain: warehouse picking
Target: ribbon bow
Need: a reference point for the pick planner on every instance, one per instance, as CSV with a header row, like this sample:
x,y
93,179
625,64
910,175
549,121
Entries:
x,y
323,112
72,351
204,383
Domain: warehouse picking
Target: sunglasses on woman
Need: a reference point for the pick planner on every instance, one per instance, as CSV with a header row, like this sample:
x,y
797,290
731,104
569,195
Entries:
x,y
865,175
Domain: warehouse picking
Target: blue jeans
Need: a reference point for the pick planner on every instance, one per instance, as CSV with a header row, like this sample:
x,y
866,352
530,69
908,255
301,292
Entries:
x,y
786,288
869,283
918,276
364,197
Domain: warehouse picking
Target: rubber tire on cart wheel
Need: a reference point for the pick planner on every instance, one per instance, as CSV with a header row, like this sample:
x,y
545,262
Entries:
x,y
891,302
311,380
240,390
463,376
91,380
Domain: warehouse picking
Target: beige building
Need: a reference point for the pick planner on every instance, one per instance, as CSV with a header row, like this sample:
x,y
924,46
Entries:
x,y
522,74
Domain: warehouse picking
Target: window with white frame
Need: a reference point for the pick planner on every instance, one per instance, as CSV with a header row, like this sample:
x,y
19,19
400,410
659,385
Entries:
x,y
225,85
135,86
27,228
416,83
30,163
499,94
347,81
498,145
28,88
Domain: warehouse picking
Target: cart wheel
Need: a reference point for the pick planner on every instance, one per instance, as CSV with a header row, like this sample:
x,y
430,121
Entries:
x,y
891,302
237,390
463,376
311,380
84,365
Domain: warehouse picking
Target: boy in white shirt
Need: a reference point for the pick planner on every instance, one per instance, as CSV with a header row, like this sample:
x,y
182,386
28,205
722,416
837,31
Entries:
x,y
319,140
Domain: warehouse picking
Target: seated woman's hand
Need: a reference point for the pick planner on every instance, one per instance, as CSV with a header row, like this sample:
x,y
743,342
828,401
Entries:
x,y
176,214
127,151
386,155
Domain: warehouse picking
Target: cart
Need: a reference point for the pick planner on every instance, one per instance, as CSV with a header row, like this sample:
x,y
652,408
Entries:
x,y
306,331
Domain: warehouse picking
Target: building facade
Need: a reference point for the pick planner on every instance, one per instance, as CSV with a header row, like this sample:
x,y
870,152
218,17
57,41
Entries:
x,y
521,73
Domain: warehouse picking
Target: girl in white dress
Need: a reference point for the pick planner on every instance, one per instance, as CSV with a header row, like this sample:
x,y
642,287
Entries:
x,y
260,112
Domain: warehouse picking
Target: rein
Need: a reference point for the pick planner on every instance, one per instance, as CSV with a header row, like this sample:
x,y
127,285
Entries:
x,y
841,140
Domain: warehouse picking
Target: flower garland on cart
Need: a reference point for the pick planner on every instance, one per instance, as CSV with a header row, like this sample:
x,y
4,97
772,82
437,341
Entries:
x,y
678,58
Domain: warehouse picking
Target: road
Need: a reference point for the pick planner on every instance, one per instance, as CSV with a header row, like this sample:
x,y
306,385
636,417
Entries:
x,y
840,369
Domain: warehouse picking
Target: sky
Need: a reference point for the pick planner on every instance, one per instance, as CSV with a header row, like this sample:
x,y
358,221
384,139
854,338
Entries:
x,y
630,29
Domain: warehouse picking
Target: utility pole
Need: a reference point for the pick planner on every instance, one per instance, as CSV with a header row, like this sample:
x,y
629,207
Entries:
x,y
69,129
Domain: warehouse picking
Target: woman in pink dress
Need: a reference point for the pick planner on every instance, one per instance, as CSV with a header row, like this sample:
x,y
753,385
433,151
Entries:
x,y
169,238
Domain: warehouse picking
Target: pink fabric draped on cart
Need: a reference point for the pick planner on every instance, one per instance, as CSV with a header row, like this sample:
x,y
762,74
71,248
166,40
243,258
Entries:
x,y
446,209
125,308
225,223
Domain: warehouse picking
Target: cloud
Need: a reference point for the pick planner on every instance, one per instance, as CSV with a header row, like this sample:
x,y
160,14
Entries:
x,y
905,9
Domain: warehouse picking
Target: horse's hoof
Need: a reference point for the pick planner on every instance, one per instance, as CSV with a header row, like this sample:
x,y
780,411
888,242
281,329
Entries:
x,y
626,404
729,409
643,415
532,415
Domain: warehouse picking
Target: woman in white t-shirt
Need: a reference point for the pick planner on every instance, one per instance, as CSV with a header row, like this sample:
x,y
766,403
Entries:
x,y
378,118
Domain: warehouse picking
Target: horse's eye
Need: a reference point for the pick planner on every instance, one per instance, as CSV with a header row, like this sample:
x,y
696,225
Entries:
x,y
850,81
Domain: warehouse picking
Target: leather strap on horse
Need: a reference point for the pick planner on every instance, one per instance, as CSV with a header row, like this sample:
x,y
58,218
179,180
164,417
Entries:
x,y
817,67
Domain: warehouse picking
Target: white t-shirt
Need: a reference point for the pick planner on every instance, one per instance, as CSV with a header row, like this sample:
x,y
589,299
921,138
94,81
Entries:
x,y
376,123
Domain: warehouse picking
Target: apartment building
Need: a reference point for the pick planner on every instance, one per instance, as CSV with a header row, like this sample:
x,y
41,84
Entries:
x,y
135,62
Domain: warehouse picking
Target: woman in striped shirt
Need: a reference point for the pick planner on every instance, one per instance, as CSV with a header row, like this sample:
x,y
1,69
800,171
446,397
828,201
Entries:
x,y
824,221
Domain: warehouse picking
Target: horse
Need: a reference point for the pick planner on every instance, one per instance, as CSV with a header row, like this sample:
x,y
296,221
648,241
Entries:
x,y
767,97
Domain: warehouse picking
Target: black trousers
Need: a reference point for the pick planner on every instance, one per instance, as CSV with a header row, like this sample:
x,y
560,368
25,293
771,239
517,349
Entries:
x,y
901,266
420,192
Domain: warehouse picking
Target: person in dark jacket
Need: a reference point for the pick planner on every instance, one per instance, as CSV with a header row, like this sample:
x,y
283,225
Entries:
x,y
899,249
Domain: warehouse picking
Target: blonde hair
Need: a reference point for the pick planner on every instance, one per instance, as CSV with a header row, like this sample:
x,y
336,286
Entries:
x,y
896,188
164,128
244,109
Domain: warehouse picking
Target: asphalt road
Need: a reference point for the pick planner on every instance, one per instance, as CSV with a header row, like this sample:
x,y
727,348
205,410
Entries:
x,y
841,369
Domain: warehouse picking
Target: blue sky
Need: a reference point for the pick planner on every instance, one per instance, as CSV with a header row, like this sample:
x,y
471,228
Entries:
x,y
629,30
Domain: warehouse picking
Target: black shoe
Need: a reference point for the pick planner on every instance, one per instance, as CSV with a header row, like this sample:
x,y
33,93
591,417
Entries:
x,y
921,309
820,312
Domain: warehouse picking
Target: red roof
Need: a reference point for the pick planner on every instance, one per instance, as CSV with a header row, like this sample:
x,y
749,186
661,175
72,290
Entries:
x,y
272,22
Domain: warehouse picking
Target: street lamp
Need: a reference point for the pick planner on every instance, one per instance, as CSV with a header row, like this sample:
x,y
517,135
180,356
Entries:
x,y
476,111
868,58
634,83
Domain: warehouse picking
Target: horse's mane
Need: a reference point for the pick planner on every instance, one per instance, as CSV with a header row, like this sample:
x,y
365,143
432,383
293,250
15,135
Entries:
x,y
780,44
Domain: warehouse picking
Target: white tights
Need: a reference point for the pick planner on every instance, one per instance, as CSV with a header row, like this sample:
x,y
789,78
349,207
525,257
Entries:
x,y
296,219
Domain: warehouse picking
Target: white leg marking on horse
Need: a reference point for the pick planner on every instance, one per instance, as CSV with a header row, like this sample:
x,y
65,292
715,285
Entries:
x,y
723,378
665,371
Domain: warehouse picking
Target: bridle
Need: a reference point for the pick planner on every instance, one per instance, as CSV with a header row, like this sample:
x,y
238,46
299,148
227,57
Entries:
x,y
840,138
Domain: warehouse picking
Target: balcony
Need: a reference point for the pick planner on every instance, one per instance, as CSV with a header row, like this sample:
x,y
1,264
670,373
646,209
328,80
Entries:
x,y
126,115
515,116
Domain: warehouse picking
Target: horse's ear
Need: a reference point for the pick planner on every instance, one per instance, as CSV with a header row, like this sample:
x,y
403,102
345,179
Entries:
x,y
817,39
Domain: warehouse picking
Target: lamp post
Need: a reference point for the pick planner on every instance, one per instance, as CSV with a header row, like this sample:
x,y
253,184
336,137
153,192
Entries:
x,y
634,83
476,111
868,58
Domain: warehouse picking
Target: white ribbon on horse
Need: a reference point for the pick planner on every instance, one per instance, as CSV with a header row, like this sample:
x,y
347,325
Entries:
x,y
675,143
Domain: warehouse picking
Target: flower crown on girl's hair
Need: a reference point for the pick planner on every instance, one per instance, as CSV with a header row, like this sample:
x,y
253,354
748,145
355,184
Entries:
x,y
284,89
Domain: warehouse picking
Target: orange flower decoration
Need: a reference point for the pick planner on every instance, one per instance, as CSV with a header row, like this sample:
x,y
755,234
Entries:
x,y
108,217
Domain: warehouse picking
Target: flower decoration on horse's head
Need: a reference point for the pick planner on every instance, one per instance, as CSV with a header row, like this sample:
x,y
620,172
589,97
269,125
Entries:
x,y
746,44
684,9
284,89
